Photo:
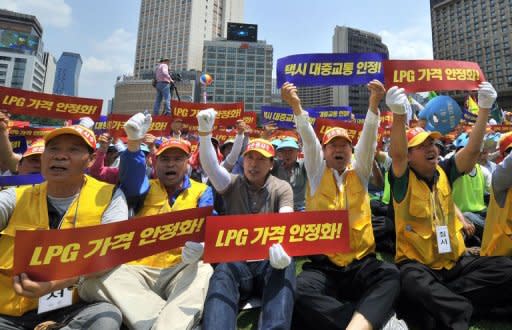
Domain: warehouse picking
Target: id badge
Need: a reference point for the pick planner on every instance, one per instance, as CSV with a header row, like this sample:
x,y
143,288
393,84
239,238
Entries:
x,y
443,239
55,300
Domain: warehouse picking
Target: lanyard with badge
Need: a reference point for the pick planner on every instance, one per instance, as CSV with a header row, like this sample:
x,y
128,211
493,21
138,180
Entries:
x,y
440,221
63,297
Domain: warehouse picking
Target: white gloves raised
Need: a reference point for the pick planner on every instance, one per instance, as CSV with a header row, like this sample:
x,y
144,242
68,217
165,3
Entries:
x,y
192,252
206,119
278,257
486,95
397,101
137,126
86,122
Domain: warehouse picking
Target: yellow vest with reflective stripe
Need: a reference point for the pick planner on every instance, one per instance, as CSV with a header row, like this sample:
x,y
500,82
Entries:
x,y
415,228
497,238
329,197
157,202
31,213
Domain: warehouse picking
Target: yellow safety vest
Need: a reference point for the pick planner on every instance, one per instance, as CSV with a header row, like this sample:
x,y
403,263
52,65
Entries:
x,y
31,213
497,238
416,227
354,197
157,202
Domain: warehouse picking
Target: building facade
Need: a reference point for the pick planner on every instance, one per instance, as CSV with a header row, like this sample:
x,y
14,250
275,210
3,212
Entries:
x,y
478,31
241,71
21,51
176,29
350,40
49,77
67,74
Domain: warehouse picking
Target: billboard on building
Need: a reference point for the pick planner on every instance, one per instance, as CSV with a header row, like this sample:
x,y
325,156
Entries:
x,y
19,41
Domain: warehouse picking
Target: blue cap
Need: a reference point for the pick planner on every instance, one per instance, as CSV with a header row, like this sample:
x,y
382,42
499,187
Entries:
x,y
276,143
461,141
288,143
144,148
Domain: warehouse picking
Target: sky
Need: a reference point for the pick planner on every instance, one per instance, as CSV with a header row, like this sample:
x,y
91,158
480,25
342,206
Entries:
x,y
104,32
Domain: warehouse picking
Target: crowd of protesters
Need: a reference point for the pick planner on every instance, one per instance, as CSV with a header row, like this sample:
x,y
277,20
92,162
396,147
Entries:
x,y
442,208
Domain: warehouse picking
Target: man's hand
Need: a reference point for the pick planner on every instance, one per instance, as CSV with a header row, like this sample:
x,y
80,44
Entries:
x,y
278,257
205,120
137,126
486,95
377,92
290,96
25,287
4,121
241,127
104,141
397,101
192,252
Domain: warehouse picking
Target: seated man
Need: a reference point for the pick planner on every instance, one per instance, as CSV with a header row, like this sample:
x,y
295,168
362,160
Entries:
x,y
165,290
440,286
254,191
350,290
67,199
497,240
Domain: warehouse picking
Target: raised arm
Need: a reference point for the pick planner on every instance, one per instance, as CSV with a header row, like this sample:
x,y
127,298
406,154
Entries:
x,y
467,157
397,101
7,157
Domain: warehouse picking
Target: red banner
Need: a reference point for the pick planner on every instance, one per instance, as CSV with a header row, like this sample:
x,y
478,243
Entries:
x,y
23,102
227,113
30,133
57,254
501,128
248,237
353,129
428,75
221,134
160,126
251,119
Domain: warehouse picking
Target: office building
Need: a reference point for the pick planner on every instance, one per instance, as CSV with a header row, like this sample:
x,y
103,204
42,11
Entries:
x,y
176,29
67,74
478,31
50,65
241,71
21,51
350,40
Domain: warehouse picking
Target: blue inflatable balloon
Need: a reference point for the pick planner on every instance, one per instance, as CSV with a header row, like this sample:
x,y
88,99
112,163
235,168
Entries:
x,y
442,114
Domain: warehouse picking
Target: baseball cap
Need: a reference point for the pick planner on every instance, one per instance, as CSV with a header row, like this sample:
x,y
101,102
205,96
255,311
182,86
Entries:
x,y
173,143
35,148
334,132
78,130
275,143
262,146
505,142
417,135
288,143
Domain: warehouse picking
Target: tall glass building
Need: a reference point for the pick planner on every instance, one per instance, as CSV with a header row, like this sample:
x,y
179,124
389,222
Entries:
x,y
67,74
477,31
241,71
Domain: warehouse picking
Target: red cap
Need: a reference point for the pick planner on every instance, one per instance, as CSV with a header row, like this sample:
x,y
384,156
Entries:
x,y
35,148
334,132
173,143
83,132
417,135
262,146
505,142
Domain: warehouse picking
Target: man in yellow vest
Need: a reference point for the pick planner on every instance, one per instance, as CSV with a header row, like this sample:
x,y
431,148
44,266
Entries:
x,y
67,199
440,286
497,238
165,290
343,290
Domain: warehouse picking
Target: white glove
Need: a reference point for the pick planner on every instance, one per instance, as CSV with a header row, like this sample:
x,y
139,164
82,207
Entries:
x,y
278,257
486,95
206,119
119,145
86,122
137,126
192,252
397,101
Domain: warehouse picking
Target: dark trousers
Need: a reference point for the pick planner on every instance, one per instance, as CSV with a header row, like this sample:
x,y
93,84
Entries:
x,y
446,299
328,295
